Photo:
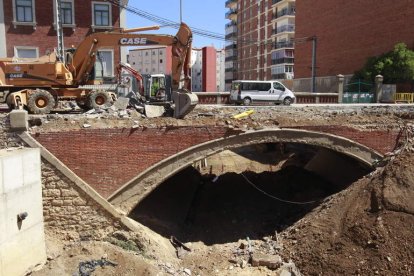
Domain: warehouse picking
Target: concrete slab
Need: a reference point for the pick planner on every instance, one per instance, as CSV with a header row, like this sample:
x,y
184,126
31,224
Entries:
x,y
121,103
19,120
152,111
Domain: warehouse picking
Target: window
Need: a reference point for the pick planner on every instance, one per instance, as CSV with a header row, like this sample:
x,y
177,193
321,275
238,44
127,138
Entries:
x,y
66,10
104,65
24,11
278,86
101,14
26,52
67,13
160,60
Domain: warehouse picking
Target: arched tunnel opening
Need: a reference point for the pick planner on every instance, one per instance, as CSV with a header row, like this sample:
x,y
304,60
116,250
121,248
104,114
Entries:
x,y
251,191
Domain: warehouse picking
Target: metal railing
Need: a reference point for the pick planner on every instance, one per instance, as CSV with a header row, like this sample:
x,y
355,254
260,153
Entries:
x,y
228,2
283,60
231,12
284,44
287,11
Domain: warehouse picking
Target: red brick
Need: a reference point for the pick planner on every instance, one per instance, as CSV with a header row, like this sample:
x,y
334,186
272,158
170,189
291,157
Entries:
x,y
349,32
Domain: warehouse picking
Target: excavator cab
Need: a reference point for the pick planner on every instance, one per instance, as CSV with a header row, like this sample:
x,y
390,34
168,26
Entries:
x,y
157,87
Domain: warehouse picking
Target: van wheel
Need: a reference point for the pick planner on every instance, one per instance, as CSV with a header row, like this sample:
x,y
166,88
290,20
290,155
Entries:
x,y
247,101
40,102
287,101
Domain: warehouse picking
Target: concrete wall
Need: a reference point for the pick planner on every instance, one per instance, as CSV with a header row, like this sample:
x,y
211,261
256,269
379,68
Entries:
x,y
22,243
3,52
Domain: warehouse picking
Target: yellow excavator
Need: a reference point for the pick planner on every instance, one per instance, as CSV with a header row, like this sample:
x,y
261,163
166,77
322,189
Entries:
x,y
38,85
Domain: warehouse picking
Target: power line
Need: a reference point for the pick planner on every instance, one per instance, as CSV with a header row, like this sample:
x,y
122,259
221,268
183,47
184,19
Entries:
x,y
164,22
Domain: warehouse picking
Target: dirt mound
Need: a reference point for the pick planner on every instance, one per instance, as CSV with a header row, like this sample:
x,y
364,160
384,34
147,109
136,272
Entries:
x,y
366,229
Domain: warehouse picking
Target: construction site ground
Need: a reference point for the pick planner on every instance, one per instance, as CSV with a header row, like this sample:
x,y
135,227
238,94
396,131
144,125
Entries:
x,y
365,228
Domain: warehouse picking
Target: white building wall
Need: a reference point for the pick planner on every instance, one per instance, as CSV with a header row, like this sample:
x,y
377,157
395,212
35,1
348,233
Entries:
x,y
149,60
196,70
220,64
22,242
3,50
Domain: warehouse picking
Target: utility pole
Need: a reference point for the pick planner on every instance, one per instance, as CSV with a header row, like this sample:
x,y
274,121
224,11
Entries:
x,y
59,31
314,44
181,11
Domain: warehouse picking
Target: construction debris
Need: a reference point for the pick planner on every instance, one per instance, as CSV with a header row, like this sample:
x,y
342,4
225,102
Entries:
x,y
86,268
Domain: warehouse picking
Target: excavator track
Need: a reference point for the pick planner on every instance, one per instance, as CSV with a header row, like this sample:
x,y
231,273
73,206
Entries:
x,y
185,102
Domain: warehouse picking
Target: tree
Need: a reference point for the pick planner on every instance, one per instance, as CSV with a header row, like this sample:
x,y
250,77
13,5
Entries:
x,y
395,66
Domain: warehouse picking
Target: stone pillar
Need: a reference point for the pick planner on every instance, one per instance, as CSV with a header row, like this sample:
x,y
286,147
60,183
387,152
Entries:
x,y
378,88
19,120
340,87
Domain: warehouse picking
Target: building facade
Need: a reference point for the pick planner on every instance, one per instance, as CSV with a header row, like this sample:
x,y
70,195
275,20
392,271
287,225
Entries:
x,y
207,65
260,39
151,60
28,27
349,33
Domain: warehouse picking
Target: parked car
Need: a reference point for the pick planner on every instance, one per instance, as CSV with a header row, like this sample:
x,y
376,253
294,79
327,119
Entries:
x,y
247,91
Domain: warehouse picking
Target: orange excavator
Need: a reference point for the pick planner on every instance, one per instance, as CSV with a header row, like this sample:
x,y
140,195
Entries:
x,y
38,85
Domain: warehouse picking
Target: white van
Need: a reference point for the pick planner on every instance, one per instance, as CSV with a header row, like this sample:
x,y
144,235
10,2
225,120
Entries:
x,y
248,91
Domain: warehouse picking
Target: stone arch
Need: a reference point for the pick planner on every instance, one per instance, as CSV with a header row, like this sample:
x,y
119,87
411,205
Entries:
x,y
130,194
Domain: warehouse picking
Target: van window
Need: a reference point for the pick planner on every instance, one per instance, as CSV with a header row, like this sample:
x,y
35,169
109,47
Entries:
x,y
264,86
278,86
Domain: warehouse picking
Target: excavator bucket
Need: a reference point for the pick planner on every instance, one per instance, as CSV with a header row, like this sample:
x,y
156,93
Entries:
x,y
185,102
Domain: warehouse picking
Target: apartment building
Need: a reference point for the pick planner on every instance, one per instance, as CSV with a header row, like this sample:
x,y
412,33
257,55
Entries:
x,y
260,39
151,60
207,65
28,27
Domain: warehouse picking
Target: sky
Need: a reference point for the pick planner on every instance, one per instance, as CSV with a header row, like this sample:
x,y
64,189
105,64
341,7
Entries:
x,y
202,14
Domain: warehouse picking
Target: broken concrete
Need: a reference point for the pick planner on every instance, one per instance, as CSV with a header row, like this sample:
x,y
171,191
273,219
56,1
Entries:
x,y
121,103
270,261
152,111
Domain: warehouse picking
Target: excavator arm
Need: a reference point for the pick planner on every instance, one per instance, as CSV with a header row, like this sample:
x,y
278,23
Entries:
x,y
84,57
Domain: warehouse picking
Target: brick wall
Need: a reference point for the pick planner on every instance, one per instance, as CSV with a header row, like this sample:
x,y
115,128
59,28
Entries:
x,y
108,158
379,140
44,36
349,32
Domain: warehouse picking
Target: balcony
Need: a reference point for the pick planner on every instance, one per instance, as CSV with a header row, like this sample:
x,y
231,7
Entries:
x,y
231,47
231,58
283,44
286,11
283,60
231,14
231,30
231,24
284,28
230,3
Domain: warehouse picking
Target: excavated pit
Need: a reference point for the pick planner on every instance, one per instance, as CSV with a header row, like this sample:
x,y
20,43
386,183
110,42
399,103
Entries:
x,y
251,192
